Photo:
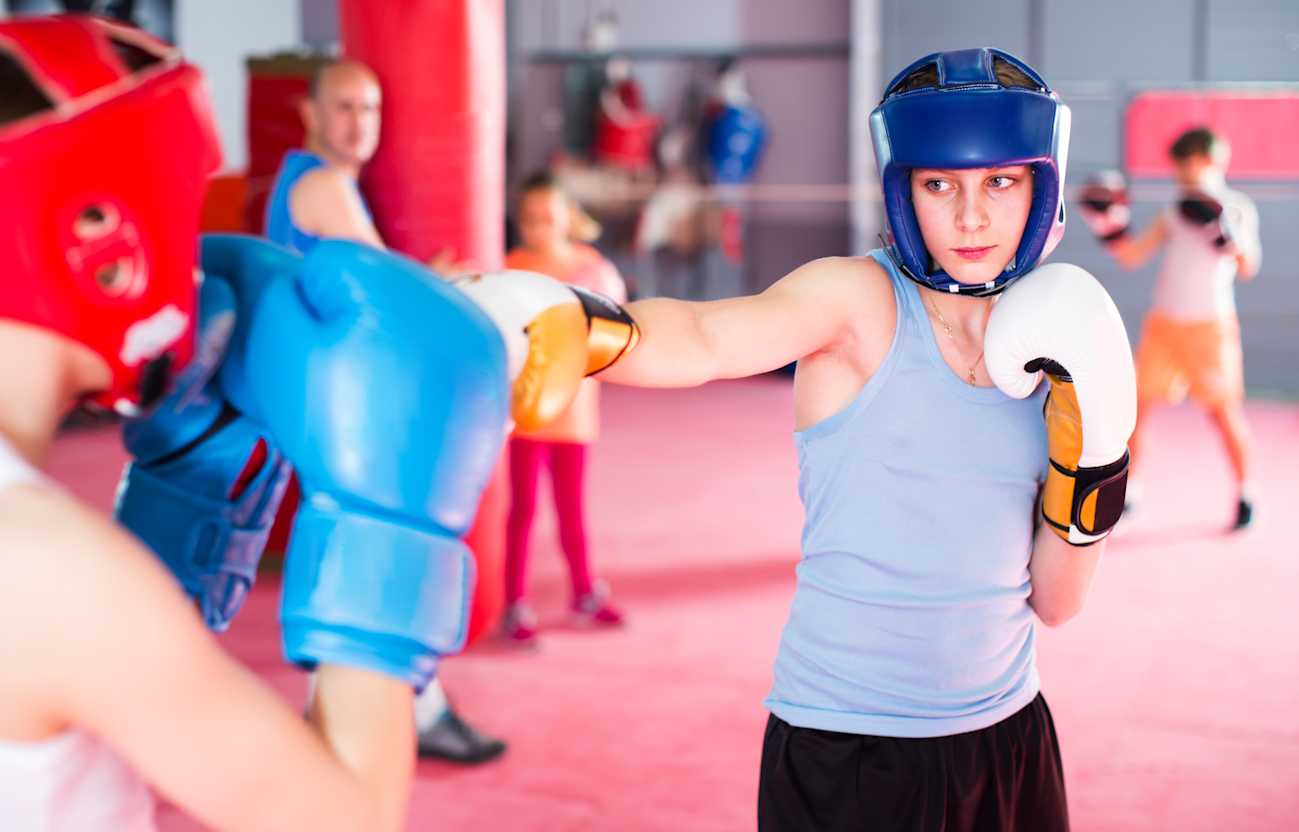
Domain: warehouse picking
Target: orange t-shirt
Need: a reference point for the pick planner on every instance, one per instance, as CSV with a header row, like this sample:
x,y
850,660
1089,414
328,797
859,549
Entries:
x,y
588,269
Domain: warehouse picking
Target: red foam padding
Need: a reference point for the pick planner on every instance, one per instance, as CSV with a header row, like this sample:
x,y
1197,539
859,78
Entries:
x,y
1261,127
438,179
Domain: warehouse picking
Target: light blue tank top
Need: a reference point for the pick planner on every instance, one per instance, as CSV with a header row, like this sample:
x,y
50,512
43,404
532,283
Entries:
x,y
279,220
910,617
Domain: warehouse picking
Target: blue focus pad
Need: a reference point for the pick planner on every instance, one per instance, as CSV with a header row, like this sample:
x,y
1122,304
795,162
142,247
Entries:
x,y
191,494
189,407
212,544
363,591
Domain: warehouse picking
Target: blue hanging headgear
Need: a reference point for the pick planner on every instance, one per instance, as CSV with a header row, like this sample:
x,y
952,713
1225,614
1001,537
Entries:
x,y
950,110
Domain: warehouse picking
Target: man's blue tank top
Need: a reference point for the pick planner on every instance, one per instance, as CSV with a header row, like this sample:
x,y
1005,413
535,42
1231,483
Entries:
x,y
279,220
910,617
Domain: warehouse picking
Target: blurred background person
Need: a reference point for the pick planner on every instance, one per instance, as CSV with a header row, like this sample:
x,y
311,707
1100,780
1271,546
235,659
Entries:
x,y
315,197
1190,340
555,234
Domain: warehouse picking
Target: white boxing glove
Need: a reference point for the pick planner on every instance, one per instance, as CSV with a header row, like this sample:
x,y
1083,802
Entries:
x,y
544,329
555,335
1060,321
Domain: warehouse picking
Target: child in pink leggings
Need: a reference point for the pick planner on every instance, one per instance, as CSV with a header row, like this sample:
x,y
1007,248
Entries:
x,y
548,223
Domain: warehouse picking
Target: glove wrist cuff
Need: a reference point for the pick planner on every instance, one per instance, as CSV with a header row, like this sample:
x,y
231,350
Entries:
x,y
611,330
373,592
199,539
1082,505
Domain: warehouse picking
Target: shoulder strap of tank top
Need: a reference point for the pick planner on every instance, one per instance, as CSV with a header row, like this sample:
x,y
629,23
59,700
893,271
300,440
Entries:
x,y
904,289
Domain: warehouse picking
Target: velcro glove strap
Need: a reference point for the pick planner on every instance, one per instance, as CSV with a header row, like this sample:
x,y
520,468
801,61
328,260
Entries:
x,y
212,546
1082,505
373,592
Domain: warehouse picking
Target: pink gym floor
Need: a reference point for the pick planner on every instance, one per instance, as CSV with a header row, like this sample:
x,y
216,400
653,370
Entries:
x,y
1176,692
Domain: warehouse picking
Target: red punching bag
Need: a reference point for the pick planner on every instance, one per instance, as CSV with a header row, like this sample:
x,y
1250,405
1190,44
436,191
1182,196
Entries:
x,y
437,182
438,179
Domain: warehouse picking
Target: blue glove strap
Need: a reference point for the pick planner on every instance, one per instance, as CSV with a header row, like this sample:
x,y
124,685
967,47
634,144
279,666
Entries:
x,y
367,592
212,546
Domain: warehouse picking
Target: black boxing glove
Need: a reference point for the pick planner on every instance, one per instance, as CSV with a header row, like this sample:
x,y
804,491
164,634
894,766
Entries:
x,y
1104,206
1203,212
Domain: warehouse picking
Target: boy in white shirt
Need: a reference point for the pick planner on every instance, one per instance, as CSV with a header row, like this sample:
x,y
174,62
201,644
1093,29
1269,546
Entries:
x,y
1190,341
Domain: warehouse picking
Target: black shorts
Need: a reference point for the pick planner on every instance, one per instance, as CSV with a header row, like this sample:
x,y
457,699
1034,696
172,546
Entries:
x,y
1004,777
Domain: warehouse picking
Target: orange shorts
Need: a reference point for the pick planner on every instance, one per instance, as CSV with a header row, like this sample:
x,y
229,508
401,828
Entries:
x,y
1202,358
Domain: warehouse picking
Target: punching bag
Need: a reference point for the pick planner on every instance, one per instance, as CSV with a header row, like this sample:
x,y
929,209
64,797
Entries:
x,y
437,182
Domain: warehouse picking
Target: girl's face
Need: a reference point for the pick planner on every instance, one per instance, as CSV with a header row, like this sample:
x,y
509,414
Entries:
x,y
1201,171
972,219
543,218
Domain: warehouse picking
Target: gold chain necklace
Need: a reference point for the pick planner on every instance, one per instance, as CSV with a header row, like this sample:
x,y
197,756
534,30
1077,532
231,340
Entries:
x,y
969,374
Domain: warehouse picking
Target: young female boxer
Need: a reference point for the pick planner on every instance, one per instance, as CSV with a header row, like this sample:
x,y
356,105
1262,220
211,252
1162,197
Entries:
x,y
906,694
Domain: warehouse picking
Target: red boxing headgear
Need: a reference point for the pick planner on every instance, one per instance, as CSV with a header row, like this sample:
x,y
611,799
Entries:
x,y
106,143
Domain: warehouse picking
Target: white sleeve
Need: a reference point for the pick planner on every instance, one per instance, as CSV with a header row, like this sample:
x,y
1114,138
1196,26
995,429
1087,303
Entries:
x,y
1249,235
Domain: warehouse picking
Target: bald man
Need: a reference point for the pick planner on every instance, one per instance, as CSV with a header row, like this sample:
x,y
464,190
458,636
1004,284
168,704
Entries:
x,y
315,193
316,196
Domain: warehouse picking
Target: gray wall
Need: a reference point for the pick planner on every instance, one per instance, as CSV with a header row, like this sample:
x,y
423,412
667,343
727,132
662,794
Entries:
x,y
1098,55
320,23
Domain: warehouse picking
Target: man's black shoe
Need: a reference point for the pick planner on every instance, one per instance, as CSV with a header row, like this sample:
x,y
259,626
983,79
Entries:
x,y
451,738
1244,515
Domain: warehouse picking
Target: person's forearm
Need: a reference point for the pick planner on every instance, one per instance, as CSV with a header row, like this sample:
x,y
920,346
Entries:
x,y
1246,266
1134,249
684,344
1131,253
368,720
1060,575
673,350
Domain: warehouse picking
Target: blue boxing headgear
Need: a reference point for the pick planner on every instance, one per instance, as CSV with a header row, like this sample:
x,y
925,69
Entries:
x,y
973,108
